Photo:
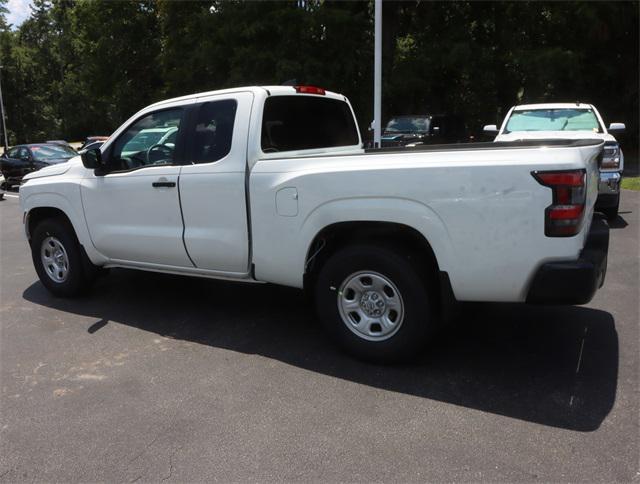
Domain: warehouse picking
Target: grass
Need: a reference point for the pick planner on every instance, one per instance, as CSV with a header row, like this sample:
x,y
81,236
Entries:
x,y
631,183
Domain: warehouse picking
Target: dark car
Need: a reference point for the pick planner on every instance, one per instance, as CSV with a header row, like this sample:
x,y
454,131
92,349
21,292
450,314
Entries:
x,y
60,142
90,146
422,129
23,159
92,139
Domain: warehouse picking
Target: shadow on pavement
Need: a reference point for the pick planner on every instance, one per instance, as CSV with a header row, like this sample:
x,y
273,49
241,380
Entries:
x,y
554,366
619,222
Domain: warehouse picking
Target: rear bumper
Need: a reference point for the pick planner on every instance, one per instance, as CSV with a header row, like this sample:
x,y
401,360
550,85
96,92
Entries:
x,y
576,281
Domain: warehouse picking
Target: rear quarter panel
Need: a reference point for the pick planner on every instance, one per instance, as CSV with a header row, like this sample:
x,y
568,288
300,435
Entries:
x,y
481,211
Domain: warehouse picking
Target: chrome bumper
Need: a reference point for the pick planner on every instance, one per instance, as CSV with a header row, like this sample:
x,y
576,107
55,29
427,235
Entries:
x,y
609,183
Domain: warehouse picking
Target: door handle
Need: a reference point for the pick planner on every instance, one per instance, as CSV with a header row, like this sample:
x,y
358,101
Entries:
x,y
163,184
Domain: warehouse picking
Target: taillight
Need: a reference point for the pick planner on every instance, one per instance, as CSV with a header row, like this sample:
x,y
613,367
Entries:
x,y
309,90
611,156
564,217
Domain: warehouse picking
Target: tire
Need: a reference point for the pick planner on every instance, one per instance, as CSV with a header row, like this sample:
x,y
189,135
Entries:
x,y
611,213
356,330
62,250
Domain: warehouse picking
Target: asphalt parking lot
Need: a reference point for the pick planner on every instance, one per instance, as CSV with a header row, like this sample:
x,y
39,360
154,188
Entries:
x,y
160,377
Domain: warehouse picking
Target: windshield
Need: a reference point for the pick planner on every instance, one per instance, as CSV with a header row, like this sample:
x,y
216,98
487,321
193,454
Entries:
x,y
566,119
51,152
408,124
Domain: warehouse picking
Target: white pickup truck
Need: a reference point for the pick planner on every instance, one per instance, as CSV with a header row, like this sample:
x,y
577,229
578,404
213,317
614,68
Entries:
x,y
570,121
271,184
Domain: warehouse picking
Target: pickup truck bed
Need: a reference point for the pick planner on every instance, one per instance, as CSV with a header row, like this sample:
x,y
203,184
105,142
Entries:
x,y
491,145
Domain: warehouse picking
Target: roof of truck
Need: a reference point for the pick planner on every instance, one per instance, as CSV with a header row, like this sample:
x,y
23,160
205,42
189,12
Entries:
x,y
272,90
524,107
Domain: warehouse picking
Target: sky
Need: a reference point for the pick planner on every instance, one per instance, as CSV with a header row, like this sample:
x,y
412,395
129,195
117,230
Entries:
x,y
18,11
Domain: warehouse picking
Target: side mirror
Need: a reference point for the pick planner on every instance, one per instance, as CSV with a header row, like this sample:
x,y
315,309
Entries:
x,y
490,129
617,128
92,159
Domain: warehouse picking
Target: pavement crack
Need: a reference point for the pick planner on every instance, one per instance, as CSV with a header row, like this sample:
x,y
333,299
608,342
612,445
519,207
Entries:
x,y
153,441
171,464
146,447
584,337
578,366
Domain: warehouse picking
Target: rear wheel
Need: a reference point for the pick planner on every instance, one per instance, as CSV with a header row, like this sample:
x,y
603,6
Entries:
x,y
61,264
375,303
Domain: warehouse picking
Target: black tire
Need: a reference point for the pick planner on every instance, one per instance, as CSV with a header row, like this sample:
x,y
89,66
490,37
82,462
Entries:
x,y
80,273
417,294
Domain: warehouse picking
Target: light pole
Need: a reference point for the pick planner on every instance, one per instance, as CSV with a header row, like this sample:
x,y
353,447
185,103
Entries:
x,y
5,142
377,75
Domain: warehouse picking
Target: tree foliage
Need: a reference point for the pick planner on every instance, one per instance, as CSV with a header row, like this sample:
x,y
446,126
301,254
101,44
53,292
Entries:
x,y
76,68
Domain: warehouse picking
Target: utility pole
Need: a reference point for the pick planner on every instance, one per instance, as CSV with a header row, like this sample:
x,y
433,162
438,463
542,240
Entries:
x,y
4,119
377,76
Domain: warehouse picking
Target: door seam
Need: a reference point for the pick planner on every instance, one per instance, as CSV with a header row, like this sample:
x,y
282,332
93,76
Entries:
x,y
184,227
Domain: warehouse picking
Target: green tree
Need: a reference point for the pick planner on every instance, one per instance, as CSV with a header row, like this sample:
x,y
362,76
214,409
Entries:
x,y
82,67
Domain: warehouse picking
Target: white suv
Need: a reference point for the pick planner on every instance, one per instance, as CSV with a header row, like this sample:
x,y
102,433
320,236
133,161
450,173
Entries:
x,y
570,121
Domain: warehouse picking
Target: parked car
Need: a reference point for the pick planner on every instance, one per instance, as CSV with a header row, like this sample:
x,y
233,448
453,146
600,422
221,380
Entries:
x,y
23,159
416,130
59,142
91,146
270,184
92,139
574,121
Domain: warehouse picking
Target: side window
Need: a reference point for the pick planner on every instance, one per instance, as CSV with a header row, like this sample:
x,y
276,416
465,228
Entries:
x,y
149,141
13,153
291,123
213,131
24,154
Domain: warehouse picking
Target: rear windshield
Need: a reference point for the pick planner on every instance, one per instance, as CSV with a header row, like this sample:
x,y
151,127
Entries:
x,y
408,124
292,123
553,120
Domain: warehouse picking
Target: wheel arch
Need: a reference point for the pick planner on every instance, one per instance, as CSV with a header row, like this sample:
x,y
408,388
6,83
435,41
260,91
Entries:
x,y
37,214
409,240
50,205
338,234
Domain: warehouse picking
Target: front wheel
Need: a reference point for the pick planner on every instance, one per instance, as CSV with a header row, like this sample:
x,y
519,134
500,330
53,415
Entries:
x,y
59,260
375,303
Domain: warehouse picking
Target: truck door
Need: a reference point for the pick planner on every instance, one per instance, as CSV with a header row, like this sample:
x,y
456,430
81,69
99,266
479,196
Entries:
x,y
212,184
133,210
